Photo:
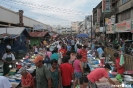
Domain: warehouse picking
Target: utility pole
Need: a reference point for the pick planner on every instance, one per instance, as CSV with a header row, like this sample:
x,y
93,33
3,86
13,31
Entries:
x,y
91,29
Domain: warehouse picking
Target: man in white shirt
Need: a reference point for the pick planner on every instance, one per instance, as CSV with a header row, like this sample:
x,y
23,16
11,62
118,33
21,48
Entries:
x,y
4,82
8,59
59,45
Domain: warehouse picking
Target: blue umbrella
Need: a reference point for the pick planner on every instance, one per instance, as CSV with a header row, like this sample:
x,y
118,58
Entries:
x,y
82,35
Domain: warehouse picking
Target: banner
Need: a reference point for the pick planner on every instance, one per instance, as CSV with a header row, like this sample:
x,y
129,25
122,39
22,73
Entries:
x,y
38,27
113,19
98,15
106,5
106,21
123,26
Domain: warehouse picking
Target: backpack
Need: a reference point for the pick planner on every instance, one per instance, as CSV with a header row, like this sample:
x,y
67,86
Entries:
x,y
47,59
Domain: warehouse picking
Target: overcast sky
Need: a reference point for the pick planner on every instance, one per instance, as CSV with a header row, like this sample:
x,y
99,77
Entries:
x,y
53,12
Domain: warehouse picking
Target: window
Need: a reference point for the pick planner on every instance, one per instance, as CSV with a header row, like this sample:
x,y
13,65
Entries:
x,y
124,1
125,15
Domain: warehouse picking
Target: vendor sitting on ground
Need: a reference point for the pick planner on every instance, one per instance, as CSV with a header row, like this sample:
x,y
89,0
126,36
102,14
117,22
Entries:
x,y
97,74
27,81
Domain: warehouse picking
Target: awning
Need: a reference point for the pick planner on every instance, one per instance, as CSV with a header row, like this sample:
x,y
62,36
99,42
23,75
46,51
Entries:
x,y
12,31
37,34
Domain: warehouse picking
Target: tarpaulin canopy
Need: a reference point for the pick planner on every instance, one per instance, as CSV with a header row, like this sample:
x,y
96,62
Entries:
x,y
11,32
82,36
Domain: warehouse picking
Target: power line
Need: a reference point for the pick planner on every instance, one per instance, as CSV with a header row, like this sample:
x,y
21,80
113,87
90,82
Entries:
x,y
48,8
38,14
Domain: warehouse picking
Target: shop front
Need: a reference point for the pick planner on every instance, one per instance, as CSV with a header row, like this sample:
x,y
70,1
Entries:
x,y
124,30
110,30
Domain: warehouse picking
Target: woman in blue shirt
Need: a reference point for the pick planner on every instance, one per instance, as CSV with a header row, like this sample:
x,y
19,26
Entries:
x,y
55,54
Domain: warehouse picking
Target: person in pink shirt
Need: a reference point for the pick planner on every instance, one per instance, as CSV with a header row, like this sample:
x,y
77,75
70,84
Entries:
x,y
79,49
48,53
97,74
78,69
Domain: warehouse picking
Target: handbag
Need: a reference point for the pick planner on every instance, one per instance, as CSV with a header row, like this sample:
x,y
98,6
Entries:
x,y
47,59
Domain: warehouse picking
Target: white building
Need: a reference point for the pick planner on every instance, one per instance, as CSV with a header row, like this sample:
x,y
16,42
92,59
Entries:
x,y
75,27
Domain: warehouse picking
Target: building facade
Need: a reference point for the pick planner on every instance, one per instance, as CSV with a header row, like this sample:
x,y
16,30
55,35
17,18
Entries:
x,y
75,27
118,22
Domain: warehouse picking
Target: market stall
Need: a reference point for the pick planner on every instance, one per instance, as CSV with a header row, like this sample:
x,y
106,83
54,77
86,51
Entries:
x,y
121,81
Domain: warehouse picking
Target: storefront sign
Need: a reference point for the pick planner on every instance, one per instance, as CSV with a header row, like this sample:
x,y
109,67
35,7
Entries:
x,y
106,21
112,19
106,6
123,26
97,30
98,15
102,29
97,24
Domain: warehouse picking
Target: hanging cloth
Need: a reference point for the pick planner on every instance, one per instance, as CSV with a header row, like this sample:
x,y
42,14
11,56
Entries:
x,y
122,59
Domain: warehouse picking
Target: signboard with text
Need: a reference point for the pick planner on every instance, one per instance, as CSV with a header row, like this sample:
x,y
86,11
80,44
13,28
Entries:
x,y
113,19
123,26
98,15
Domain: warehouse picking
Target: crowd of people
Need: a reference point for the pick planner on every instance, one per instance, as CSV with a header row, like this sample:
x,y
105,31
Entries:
x,y
63,63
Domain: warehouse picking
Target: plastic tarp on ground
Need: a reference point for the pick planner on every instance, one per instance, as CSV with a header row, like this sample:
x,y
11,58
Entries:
x,y
82,36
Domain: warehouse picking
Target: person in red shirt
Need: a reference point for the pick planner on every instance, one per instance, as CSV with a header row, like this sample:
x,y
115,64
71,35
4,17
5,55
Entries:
x,y
63,50
83,52
97,74
120,69
67,72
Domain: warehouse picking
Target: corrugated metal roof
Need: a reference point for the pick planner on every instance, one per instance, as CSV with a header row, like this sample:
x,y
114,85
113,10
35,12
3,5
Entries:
x,y
12,31
37,34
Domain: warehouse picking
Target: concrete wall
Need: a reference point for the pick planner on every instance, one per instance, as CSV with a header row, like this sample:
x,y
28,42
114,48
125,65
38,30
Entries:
x,y
8,16
123,7
30,22
12,17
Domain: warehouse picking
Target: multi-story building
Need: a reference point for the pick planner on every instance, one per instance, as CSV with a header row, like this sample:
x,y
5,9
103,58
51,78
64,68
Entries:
x,y
124,17
75,27
82,27
117,22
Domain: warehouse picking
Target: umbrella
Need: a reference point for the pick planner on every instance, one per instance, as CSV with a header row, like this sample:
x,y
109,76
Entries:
x,y
82,35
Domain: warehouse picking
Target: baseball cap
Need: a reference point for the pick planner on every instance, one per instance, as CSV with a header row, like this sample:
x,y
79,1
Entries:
x,y
38,58
22,69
